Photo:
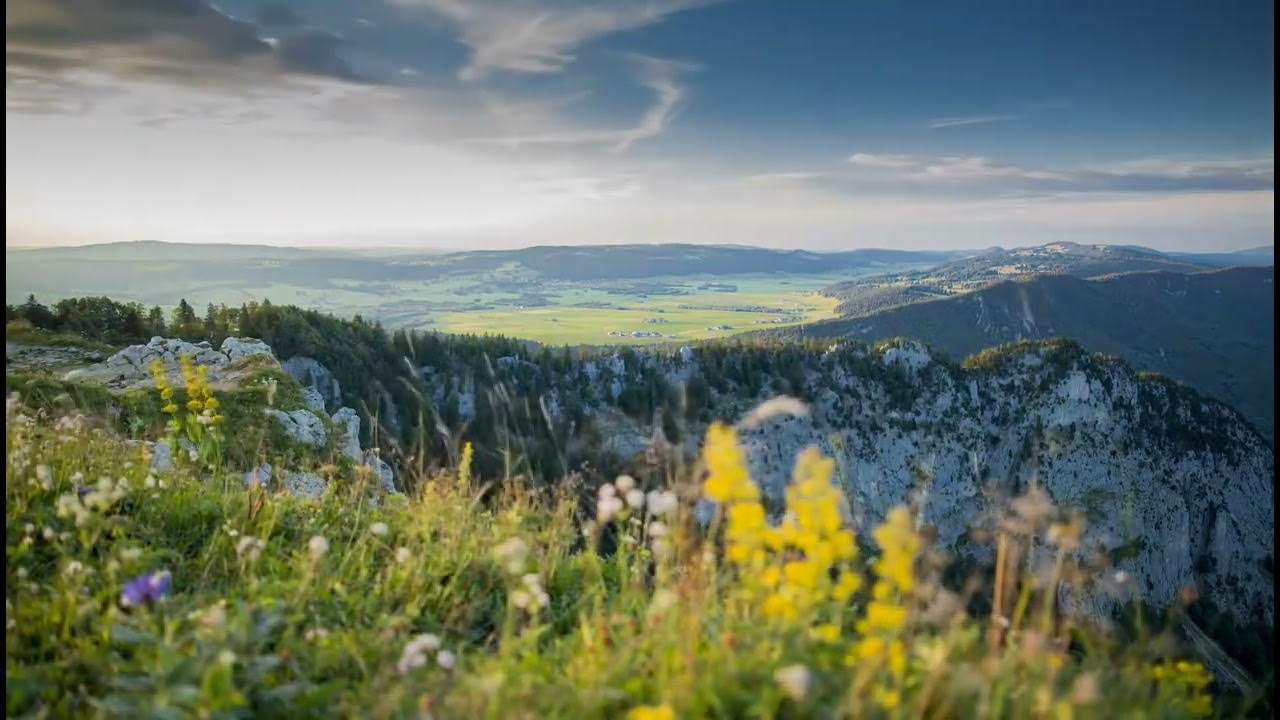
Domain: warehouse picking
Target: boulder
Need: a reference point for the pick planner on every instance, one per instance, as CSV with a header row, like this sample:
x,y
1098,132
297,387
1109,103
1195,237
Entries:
x,y
310,373
304,485
348,422
235,348
313,399
386,476
260,474
301,425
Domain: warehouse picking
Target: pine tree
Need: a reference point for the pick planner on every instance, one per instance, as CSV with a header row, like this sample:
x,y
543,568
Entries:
x,y
155,321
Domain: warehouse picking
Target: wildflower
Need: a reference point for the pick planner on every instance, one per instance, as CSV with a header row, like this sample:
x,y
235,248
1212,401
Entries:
x,y
130,554
73,568
226,657
521,599
794,681
250,548
888,699
635,499
826,633
446,659
145,589
512,554
657,529
414,654
607,506
29,529
662,502
651,712
45,476
317,546
625,483
1085,689
379,529
464,465
403,555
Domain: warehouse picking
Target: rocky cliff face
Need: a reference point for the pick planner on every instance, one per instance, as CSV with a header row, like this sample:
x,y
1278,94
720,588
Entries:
x,y
1176,487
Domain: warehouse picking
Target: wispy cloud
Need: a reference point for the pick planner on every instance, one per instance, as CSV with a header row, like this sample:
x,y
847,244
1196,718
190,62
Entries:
x,y
982,174
659,76
950,122
539,36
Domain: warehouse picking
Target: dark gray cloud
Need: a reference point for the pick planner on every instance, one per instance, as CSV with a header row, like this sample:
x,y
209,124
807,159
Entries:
x,y
179,40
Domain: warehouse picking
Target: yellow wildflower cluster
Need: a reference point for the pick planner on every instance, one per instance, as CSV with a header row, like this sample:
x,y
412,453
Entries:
x,y
886,615
201,403
791,564
166,390
1189,682
651,712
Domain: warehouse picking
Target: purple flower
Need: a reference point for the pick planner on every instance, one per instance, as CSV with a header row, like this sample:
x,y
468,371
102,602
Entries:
x,y
145,589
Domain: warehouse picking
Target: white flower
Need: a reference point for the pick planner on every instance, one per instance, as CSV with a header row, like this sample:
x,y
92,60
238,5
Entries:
x,y
379,528
45,475
226,657
532,581
250,547
29,529
625,483
414,653
48,534
73,568
607,507
635,498
403,555
130,554
521,599
446,659
662,502
794,681
22,573
318,546
606,490
657,529
512,554
544,600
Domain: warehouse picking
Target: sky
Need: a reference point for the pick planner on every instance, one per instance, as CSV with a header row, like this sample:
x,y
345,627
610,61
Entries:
x,y
816,124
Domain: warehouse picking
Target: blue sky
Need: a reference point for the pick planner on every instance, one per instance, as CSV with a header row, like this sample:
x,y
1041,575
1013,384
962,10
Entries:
x,y
826,125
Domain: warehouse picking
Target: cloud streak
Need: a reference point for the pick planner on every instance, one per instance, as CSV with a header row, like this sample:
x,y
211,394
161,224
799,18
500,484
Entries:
x,y
660,76
951,122
539,36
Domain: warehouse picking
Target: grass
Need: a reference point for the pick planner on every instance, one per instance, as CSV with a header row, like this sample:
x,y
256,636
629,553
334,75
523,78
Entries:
x,y
473,599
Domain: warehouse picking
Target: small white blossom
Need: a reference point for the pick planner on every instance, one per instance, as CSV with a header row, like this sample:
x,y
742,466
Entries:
x,y
317,546
657,529
625,483
635,498
512,554
446,659
607,507
794,681
379,529
403,555
662,502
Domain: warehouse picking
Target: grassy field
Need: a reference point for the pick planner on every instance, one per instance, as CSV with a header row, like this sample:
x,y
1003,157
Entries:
x,y
184,593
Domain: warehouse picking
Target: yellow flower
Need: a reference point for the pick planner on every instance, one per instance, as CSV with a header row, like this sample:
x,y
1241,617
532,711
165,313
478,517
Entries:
x,y
195,406
826,633
212,403
779,606
170,408
883,616
888,699
898,543
847,583
800,573
897,658
651,712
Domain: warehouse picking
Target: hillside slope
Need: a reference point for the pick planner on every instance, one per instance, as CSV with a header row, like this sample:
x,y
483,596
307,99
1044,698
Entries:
x,y
1213,330
980,270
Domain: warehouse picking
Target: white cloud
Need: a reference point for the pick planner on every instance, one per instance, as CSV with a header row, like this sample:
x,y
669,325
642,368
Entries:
x,y
539,36
940,123
658,75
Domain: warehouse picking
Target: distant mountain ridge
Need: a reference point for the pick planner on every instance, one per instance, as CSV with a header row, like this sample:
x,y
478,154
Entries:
x,y
1213,330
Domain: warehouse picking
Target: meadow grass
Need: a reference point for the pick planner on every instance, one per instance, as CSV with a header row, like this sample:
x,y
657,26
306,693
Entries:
x,y
177,594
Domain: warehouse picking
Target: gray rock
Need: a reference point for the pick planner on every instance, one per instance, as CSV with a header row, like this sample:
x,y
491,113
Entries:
x,y
312,398
310,373
235,348
301,425
385,474
260,474
348,421
304,485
